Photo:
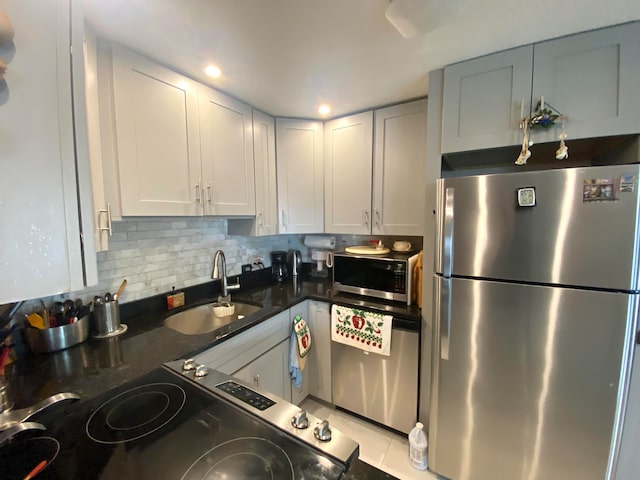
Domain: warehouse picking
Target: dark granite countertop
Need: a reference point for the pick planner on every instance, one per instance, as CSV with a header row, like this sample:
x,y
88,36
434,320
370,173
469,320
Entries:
x,y
95,366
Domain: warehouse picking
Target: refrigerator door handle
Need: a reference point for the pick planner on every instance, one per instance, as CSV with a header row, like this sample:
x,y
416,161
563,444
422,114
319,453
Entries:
x,y
447,240
443,312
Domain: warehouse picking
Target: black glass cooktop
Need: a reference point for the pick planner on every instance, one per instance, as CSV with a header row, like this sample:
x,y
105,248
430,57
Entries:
x,y
161,426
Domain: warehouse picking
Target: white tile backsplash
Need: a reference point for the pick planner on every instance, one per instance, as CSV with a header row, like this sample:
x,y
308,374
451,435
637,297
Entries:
x,y
156,254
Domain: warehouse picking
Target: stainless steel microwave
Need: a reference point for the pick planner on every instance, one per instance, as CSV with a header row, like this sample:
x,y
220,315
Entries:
x,y
382,276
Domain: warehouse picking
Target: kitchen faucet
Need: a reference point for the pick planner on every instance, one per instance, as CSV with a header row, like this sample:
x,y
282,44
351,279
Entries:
x,y
222,275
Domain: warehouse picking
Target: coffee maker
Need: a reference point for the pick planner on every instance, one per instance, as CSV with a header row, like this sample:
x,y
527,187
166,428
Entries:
x,y
279,265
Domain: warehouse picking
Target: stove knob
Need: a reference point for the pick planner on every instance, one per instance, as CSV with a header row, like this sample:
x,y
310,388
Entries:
x,y
322,432
300,420
202,370
188,365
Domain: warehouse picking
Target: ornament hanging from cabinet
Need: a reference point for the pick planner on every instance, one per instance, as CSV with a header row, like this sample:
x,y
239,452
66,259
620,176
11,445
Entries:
x,y
544,117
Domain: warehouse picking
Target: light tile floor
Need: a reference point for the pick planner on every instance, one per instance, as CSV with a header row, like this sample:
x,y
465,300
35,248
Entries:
x,y
378,447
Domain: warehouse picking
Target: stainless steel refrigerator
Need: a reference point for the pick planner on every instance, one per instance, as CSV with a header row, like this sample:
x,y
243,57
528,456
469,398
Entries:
x,y
536,289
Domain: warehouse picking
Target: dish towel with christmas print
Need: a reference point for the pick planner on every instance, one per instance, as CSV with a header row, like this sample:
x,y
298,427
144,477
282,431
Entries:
x,y
361,329
303,336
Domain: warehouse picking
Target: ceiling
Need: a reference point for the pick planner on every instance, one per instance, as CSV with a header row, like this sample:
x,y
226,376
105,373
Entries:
x,y
286,57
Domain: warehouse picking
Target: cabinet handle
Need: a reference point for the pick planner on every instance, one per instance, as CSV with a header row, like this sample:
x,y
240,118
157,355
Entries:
x,y
198,192
284,217
109,219
378,216
108,213
210,192
256,380
365,217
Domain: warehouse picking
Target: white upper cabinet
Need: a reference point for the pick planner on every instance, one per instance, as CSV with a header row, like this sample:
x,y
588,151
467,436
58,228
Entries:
x,y
348,174
46,169
593,79
264,154
226,140
101,208
398,169
264,157
590,77
158,146
483,98
300,176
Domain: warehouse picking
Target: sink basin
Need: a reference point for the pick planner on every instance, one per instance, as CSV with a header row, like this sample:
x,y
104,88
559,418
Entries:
x,y
199,320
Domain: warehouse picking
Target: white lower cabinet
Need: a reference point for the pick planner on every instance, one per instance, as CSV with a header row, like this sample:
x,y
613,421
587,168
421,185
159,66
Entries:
x,y
260,355
233,354
269,371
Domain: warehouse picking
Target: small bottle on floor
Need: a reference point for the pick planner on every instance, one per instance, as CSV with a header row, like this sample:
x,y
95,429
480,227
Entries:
x,y
418,447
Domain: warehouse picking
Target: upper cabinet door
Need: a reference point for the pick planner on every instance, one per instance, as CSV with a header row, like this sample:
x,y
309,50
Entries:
x,y
347,184
483,99
157,138
398,169
593,79
300,180
264,153
101,209
40,240
226,136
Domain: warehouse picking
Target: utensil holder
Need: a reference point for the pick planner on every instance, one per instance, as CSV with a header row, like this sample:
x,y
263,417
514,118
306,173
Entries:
x,y
57,338
107,319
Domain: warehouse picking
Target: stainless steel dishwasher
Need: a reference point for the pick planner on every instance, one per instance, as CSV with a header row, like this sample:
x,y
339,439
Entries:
x,y
378,387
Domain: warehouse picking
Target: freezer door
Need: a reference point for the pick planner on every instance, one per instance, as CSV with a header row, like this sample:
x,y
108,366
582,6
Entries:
x,y
574,226
530,385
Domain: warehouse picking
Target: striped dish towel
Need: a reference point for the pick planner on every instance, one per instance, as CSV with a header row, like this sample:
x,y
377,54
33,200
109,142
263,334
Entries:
x,y
361,329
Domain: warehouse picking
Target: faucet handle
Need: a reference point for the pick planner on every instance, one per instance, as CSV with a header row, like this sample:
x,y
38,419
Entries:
x,y
235,286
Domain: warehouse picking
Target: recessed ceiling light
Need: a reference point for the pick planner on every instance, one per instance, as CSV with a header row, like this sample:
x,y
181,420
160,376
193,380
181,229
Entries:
x,y
324,109
213,71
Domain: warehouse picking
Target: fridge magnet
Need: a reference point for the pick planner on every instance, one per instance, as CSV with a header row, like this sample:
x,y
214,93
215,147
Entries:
x,y
526,197
600,190
627,183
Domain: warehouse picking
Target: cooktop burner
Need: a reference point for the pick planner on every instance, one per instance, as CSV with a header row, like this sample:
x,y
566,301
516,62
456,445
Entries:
x,y
245,457
136,413
164,426
21,456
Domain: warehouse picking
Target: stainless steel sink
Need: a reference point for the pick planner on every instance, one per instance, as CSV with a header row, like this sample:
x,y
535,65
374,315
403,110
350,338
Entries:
x,y
201,319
